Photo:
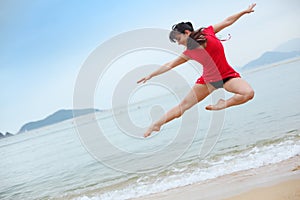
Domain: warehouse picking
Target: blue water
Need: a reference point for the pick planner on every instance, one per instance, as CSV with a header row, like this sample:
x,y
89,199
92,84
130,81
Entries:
x,y
52,163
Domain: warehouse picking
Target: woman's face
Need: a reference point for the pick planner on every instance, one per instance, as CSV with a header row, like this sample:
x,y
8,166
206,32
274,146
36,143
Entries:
x,y
182,38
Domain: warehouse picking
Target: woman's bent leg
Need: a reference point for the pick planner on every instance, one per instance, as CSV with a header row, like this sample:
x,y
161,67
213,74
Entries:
x,y
198,93
242,93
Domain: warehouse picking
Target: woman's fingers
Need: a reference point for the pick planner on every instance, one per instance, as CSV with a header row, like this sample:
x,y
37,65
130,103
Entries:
x,y
142,80
250,9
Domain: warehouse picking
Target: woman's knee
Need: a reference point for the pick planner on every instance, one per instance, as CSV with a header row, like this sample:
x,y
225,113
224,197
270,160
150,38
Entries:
x,y
249,94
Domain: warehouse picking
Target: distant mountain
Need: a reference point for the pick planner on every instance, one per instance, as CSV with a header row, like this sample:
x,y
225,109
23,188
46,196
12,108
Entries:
x,y
289,46
56,117
271,57
285,51
7,134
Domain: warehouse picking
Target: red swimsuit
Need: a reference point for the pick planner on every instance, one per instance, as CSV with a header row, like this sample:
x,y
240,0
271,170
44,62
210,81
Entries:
x,y
212,58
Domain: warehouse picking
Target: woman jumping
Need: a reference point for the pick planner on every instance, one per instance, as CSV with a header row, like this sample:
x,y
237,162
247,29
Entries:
x,y
204,47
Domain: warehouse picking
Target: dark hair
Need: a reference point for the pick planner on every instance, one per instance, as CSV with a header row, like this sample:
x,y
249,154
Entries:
x,y
180,28
195,39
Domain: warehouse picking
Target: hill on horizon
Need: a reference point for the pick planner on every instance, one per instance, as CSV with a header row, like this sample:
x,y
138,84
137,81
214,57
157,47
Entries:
x,y
285,51
271,57
59,116
290,45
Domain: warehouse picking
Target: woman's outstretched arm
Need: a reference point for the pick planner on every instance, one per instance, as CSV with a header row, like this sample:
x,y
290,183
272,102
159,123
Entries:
x,y
164,68
230,20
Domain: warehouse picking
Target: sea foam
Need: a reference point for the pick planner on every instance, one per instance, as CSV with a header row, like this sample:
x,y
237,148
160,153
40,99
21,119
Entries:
x,y
250,159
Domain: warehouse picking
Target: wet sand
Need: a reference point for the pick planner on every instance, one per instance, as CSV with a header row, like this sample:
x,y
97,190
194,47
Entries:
x,y
280,181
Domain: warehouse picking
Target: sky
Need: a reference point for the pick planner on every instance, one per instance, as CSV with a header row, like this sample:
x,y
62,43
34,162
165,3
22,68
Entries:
x,y
43,44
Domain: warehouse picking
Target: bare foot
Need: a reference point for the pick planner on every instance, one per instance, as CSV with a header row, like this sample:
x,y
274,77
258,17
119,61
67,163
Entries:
x,y
151,129
219,106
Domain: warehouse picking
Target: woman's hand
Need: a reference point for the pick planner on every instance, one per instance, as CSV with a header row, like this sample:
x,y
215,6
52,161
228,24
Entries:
x,y
143,80
250,8
230,20
164,68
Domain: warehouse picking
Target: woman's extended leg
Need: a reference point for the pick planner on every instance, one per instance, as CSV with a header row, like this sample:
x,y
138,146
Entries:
x,y
198,93
242,93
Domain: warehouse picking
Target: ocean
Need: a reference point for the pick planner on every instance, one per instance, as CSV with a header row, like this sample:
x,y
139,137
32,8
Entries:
x,y
54,163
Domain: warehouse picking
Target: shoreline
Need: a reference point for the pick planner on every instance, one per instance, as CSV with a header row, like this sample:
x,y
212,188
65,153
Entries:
x,y
259,183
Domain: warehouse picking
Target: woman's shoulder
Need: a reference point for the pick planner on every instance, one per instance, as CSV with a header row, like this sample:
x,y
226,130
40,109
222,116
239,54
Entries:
x,y
209,29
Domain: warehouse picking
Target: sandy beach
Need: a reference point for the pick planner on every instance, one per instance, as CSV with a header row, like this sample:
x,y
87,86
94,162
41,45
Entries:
x,y
279,181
